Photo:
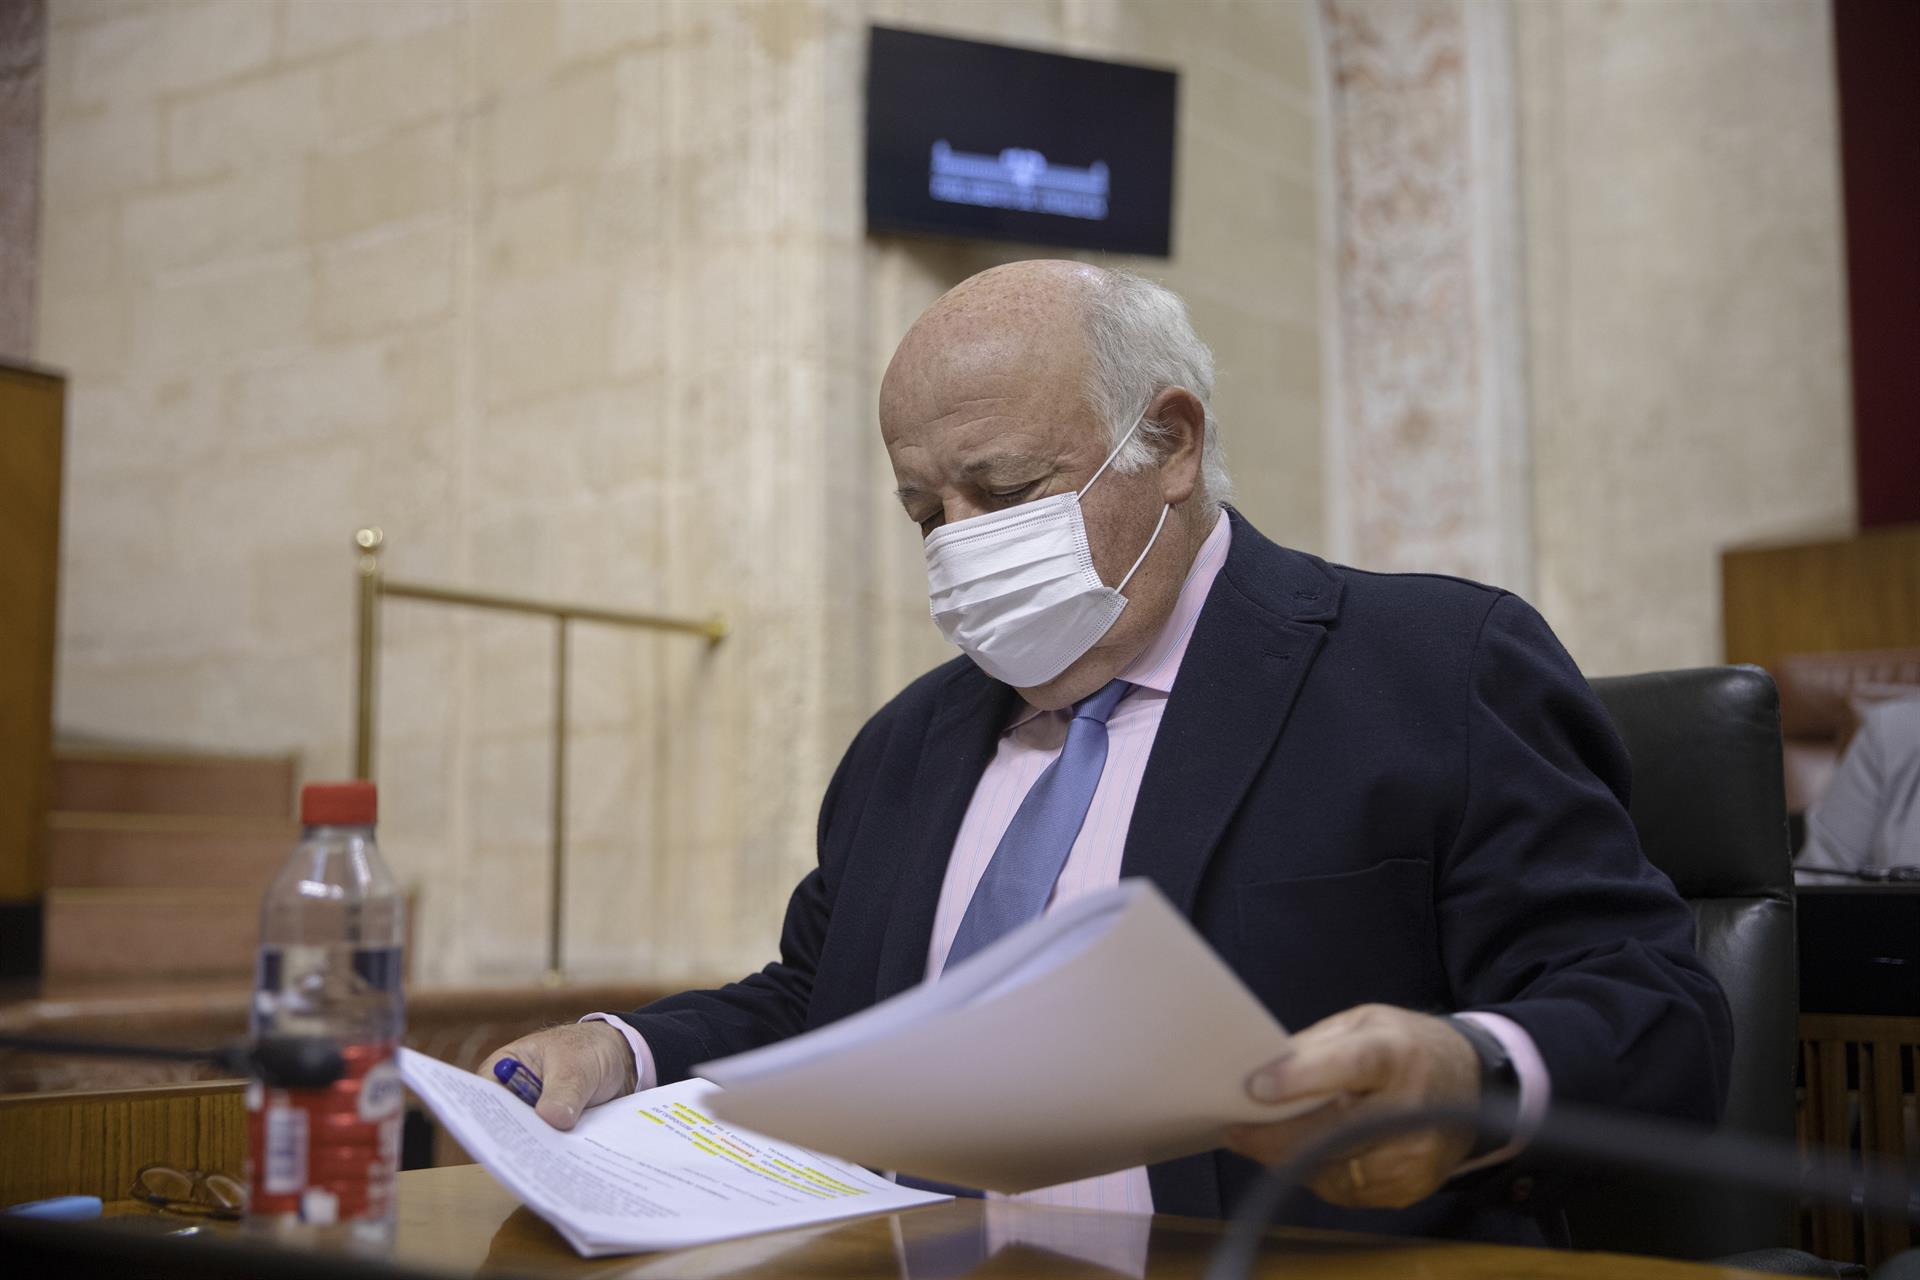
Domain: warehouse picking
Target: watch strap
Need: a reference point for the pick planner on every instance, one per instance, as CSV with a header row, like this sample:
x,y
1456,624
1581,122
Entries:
x,y
1499,1085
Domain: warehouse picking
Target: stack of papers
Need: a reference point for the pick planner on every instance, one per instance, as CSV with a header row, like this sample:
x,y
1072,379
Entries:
x,y
1104,1035
651,1170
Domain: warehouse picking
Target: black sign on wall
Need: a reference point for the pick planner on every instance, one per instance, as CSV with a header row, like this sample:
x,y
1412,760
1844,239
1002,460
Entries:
x,y
983,140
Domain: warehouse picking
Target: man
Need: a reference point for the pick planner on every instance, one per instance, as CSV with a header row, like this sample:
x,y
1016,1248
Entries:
x,y
1379,798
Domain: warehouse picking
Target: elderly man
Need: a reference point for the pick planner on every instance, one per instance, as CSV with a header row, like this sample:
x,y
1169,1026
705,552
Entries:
x,y
1382,799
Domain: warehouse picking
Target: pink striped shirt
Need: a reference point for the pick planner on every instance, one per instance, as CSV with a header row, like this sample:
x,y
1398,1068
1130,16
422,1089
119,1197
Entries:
x,y
1030,742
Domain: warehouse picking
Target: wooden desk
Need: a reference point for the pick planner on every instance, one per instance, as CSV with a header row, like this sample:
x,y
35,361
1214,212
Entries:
x,y
459,1221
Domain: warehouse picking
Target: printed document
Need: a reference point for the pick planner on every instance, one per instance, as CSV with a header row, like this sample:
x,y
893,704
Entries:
x,y
652,1170
1104,1035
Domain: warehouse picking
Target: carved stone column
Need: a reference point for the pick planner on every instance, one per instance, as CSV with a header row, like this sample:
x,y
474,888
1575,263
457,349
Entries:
x,y
1425,399
23,39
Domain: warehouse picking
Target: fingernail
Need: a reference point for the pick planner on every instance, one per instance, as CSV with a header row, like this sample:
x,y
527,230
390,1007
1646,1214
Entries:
x,y
1264,1085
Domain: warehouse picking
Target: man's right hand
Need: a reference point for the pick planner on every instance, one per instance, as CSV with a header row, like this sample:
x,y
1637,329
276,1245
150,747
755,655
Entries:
x,y
580,1065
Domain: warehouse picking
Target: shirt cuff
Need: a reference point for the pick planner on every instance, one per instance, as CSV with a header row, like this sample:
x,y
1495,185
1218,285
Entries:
x,y
643,1057
1536,1088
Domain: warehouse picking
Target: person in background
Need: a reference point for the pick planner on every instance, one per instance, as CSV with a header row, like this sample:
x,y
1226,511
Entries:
x,y
1390,802
1867,822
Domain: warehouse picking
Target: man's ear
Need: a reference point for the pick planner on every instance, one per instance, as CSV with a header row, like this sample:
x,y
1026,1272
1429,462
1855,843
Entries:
x,y
1182,420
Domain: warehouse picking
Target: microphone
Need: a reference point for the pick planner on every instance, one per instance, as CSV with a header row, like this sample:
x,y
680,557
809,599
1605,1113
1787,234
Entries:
x,y
281,1062
1591,1135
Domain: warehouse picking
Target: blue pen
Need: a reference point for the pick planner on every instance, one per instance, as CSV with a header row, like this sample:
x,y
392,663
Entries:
x,y
520,1081
59,1209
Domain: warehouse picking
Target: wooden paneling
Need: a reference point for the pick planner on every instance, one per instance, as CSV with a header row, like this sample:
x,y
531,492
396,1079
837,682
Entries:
x,y
166,851
108,780
93,1143
1820,597
1856,1075
152,933
31,435
461,1025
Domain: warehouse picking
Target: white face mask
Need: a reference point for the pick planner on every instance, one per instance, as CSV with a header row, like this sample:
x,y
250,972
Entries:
x,y
1017,590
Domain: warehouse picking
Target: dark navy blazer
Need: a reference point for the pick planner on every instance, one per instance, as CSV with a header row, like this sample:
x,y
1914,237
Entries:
x,y
1365,787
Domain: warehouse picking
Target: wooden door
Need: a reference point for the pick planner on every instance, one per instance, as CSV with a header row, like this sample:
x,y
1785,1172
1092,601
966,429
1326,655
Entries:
x,y
31,439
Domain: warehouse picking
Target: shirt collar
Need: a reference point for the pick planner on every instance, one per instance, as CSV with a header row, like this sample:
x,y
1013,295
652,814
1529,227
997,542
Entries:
x,y
1157,665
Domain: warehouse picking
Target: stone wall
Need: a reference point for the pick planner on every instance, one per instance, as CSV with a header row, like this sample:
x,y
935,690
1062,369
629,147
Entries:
x,y
1585,325
1686,314
23,39
573,299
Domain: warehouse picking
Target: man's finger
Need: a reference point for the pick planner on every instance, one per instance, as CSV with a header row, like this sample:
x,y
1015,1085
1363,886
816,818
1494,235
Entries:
x,y
1280,1141
1355,1062
570,1082
1392,1175
525,1051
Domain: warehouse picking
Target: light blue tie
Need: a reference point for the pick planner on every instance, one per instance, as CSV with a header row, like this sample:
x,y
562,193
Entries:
x,y
1017,883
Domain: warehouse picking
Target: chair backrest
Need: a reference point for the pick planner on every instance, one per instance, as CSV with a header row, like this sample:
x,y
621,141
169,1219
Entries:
x,y
1709,805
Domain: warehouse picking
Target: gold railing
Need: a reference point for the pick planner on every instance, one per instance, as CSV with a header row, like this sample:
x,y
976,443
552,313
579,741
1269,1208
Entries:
x,y
375,585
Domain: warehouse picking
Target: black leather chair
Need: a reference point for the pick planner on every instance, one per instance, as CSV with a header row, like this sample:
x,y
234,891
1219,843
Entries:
x,y
1709,803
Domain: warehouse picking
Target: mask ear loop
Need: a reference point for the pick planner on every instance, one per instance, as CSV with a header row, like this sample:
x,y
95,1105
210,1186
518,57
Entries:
x,y
1164,509
1110,457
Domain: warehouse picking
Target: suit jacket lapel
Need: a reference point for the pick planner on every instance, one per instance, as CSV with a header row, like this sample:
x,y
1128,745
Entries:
x,y
1256,636
961,737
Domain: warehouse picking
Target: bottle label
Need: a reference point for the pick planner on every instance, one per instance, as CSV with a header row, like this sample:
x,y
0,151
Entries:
x,y
332,1152
381,1094
286,1153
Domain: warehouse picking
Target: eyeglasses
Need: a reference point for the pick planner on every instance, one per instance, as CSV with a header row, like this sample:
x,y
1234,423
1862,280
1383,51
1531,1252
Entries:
x,y
211,1195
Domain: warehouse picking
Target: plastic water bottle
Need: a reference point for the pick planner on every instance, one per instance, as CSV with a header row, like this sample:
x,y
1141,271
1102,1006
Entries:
x,y
324,1140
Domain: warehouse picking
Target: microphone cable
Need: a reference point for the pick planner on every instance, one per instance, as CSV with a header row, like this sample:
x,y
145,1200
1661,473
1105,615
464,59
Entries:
x,y
287,1062
1619,1139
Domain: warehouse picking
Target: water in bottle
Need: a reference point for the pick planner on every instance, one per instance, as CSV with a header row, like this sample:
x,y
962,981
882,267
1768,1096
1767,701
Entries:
x,y
324,1107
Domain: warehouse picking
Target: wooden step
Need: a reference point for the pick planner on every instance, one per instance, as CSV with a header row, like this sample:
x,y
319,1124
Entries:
x,y
111,780
165,851
150,933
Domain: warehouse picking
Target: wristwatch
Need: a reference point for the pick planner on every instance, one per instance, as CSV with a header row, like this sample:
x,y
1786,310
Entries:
x,y
1499,1086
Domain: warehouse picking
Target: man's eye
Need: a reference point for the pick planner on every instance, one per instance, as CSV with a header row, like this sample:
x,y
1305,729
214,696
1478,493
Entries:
x,y
1008,495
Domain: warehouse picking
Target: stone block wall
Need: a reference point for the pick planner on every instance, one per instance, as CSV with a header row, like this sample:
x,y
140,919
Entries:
x,y
1686,309
573,299
23,40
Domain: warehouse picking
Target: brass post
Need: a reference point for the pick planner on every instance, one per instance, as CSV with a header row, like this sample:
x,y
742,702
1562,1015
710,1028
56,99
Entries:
x,y
374,587
556,870
367,623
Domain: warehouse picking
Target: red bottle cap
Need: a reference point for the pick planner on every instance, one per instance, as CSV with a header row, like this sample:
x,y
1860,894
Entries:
x,y
338,804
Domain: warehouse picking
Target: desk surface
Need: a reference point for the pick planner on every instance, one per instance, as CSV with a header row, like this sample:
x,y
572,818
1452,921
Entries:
x,y
460,1221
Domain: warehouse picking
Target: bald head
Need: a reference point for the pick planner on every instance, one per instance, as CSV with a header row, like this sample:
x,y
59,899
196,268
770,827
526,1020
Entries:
x,y
1020,324
1037,298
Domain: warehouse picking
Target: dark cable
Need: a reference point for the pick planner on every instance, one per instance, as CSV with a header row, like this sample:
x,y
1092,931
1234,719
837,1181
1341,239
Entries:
x,y
1608,1137
287,1062
108,1049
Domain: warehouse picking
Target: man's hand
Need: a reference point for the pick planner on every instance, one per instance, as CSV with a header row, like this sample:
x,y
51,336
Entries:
x,y
1371,1058
580,1065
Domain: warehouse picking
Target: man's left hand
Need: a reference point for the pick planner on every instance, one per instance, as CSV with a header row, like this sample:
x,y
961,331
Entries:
x,y
1371,1058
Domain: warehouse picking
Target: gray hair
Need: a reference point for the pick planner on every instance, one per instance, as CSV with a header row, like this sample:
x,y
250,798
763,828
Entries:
x,y
1140,342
